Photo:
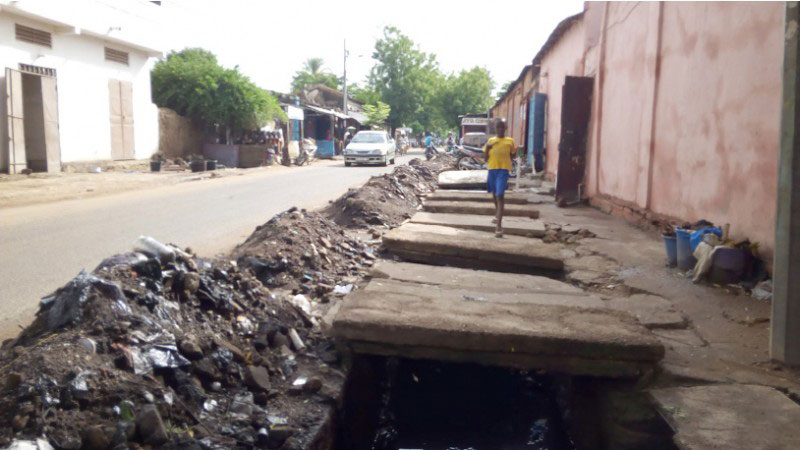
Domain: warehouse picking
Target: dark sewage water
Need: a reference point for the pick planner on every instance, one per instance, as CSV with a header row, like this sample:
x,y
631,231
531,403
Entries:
x,y
393,404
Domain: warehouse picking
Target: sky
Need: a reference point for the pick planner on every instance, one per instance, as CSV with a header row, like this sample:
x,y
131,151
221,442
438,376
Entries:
x,y
270,40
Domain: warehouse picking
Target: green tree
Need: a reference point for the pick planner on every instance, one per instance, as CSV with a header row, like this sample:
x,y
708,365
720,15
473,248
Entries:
x,y
503,89
314,72
468,92
192,83
406,79
377,114
365,95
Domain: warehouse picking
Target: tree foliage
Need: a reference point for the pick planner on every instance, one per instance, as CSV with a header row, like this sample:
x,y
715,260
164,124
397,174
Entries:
x,y
468,92
406,79
377,114
420,96
312,73
504,89
193,84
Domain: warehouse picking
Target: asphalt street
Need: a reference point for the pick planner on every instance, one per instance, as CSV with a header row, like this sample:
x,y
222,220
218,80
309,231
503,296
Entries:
x,y
44,246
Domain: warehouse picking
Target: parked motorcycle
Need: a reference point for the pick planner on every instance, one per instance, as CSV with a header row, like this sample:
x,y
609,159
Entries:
x,y
472,158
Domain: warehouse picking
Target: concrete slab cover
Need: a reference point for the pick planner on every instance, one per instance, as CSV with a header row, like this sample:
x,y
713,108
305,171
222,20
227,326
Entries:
x,y
478,196
473,249
731,416
576,341
520,226
512,283
463,179
482,208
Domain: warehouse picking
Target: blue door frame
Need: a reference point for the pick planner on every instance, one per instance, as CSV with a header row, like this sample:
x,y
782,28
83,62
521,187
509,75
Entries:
x,y
536,129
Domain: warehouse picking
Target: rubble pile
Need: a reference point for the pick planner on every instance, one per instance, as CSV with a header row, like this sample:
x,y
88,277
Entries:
x,y
566,234
387,200
304,251
167,350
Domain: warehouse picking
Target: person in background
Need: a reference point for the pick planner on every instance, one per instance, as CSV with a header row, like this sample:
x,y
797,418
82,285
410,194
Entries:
x,y
428,140
498,151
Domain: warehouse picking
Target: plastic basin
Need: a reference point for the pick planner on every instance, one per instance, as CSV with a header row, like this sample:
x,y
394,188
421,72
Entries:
x,y
686,260
671,246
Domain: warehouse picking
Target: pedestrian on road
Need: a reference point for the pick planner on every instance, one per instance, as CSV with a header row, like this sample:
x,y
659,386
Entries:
x,y
498,151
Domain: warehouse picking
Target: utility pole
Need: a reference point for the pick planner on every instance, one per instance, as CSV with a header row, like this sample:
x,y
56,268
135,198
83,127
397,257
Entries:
x,y
344,81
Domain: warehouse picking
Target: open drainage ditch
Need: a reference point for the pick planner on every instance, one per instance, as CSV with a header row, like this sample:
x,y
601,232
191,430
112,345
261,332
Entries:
x,y
395,403
402,404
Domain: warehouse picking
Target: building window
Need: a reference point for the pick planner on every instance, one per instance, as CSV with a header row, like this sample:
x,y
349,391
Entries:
x,y
46,71
34,36
116,56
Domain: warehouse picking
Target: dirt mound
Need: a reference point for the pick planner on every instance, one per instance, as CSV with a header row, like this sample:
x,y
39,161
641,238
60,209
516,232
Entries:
x,y
387,200
186,353
303,250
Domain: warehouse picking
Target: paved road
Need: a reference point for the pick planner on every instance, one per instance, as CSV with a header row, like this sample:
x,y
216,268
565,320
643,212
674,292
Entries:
x,y
44,246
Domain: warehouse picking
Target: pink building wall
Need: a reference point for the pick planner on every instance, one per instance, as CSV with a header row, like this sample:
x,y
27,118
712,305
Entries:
x,y
565,58
688,115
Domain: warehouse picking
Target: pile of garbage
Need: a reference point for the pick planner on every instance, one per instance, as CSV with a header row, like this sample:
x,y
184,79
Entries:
x,y
158,348
304,251
387,200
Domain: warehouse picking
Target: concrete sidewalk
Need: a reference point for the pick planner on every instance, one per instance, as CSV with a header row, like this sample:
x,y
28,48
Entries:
x,y
483,208
440,245
519,226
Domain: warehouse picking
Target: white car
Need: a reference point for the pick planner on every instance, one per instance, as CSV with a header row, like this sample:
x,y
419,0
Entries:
x,y
370,147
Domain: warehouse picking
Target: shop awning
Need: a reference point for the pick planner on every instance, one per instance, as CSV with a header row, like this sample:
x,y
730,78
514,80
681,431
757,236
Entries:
x,y
329,112
358,117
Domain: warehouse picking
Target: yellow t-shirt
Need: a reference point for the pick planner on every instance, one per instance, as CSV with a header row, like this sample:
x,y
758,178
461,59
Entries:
x,y
500,154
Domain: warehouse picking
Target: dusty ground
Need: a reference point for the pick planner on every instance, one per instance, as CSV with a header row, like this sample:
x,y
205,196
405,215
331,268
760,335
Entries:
x,y
20,190
726,338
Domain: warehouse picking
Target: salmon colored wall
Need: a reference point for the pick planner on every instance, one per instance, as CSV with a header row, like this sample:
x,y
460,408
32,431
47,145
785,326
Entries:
x,y
626,80
565,58
688,116
717,119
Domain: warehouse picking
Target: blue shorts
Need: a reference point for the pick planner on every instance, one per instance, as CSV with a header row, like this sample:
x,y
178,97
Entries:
x,y
498,181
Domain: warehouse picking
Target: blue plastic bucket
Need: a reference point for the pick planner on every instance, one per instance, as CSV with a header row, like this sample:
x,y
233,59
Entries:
x,y
671,245
686,260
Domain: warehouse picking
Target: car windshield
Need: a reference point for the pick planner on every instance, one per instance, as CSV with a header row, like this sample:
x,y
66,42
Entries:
x,y
369,138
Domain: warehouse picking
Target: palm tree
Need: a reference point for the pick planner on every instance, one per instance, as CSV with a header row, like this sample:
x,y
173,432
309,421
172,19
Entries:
x,y
313,72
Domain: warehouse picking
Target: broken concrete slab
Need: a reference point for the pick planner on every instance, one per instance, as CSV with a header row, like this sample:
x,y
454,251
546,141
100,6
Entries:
x,y
520,226
730,416
481,208
436,276
480,294
478,196
463,179
440,245
569,340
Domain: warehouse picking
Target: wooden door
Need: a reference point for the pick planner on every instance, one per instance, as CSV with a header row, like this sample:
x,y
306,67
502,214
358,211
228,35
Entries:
x,y
52,138
120,96
17,158
576,110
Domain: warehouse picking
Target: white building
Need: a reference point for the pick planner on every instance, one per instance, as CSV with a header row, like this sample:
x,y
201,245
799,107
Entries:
x,y
75,81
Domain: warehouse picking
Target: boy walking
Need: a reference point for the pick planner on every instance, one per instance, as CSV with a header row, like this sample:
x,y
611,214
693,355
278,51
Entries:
x,y
498,152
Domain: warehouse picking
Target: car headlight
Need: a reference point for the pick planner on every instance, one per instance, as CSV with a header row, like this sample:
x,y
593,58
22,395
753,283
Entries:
x,y
376,152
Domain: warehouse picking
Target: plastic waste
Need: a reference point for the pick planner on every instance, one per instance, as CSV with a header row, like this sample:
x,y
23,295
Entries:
x,y
150,246
244,326
38,444
697,235
242,406
129,258
342,290
66,305
166,357
302,302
